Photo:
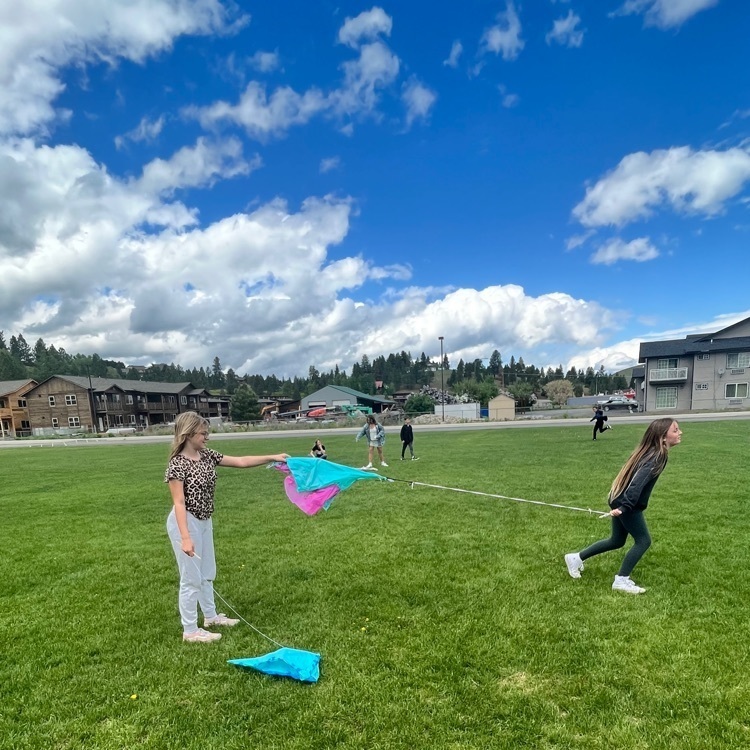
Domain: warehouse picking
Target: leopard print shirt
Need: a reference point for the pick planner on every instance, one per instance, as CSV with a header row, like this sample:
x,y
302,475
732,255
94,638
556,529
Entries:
x,y
198,481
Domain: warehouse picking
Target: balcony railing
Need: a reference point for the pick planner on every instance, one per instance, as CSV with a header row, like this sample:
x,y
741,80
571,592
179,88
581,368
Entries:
x,y
668,374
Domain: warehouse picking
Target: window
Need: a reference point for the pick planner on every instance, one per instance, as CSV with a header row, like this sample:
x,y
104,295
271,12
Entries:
x,y
51,400
735,390
2,403
666,363
130,399
132,419
701,386
183,400
22,403
738,359
55,422
119,420
25,424
703,356
71,400
666,398
74,422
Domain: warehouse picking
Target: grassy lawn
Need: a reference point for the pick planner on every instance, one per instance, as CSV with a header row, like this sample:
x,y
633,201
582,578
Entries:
x,y
444,620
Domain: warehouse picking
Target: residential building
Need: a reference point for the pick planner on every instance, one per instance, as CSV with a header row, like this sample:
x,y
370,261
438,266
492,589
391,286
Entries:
x,y
702,372
74,403
14,413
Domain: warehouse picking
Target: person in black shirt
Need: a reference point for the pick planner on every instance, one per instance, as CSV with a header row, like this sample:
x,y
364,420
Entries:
x,y
407,439
318,450
600,420
628,499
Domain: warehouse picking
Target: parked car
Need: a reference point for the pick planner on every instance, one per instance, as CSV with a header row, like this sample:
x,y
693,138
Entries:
x,y
618,402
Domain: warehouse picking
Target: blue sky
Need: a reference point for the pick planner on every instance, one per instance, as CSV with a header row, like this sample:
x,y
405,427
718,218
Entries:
x,y
292,183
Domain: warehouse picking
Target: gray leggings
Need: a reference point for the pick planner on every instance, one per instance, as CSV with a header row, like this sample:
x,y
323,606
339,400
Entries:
x,y
630,523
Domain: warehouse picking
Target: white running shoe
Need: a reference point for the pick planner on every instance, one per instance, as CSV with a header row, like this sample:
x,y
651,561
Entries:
x,y
383,463
200,636
623,583
220,619
366,468
415,458
574,563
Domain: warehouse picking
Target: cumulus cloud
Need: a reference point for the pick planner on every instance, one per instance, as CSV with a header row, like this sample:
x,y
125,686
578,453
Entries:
x,y
687,181
36,43
452,60
367,25
418,100
264,62
146,130
664,14
616,249
329,164
565,31
504,38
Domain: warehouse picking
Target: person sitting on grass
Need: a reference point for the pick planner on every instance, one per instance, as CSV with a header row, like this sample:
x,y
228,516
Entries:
x,y
191,474
318,450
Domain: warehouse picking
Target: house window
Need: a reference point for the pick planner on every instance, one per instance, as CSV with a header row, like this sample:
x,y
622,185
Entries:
x,y
22,403
183,400
738,359
701,386
703,356
119,419
130,399
74,422
51,400
132,419
666,363
71,400
666,398
735,390
55,422
25,424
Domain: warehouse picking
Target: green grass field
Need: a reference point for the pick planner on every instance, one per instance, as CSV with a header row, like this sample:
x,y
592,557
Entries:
x,y
444,620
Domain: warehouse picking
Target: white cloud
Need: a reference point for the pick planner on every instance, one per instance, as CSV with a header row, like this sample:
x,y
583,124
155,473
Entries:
x,y
578,239
696,182
265,62
418,100
367,25
508,99
37,40
664,13
565,31
504,37
616,249
329,164
452,60
146,130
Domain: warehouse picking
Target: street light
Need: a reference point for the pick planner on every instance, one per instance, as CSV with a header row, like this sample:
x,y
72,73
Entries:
x,y
442,387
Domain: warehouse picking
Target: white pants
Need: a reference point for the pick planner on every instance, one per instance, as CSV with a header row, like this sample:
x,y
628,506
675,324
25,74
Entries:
x,y
196,576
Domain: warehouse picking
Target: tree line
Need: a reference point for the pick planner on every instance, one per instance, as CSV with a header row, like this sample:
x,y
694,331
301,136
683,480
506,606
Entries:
x,y
480,379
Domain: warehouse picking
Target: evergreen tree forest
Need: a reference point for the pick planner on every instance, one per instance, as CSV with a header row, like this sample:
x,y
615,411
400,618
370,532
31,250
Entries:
x,y
482,379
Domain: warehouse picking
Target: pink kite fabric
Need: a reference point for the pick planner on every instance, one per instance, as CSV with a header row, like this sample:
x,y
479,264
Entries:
x,y
309,502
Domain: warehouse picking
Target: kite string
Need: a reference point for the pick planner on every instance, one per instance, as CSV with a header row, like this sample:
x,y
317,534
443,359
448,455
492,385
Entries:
x,y
234,611
506,497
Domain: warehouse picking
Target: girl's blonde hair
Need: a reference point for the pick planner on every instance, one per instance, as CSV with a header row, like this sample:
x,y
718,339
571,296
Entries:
x,y
186,425
653,445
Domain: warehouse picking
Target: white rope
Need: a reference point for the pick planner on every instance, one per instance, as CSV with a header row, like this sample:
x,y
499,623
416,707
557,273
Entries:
x,y
232,609
515,499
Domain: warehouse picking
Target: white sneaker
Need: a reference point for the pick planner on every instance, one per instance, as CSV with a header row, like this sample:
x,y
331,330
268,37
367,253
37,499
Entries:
x,y
383,463
366,468
415,458
220,619
623,583
200,636
574,564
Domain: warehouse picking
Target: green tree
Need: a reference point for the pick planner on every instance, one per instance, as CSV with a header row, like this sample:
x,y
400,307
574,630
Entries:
x,y
495,363
419,403
559,391
521,392
10,367
244,407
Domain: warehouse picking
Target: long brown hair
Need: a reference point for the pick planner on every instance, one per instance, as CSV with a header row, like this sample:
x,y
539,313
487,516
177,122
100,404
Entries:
x,y
653,445
186,425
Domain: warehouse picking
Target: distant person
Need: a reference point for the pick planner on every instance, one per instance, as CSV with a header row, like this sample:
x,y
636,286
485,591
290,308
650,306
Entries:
x,y
628,499
601,420
191,474
407,439
319,450
374,433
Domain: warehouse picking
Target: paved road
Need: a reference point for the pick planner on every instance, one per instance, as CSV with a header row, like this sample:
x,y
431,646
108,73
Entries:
x,y
539,419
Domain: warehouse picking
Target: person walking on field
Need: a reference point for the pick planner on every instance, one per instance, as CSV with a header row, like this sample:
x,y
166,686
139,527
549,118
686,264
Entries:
x,y
628,499
374,433
407,439
600,420
191,475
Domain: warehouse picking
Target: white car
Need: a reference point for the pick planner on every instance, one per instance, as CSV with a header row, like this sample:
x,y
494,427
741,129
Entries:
x,y
618,402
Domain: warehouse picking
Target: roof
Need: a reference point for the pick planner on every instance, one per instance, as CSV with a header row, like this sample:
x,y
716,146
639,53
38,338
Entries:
x,y
690,346
11,386
356,394
99,385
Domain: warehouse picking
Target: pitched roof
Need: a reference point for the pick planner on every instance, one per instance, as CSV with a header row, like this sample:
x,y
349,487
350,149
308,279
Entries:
x,y
11,386
99,385
357,394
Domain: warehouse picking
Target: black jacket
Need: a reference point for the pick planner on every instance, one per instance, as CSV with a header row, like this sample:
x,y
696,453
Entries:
x,y
407,434
636,494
